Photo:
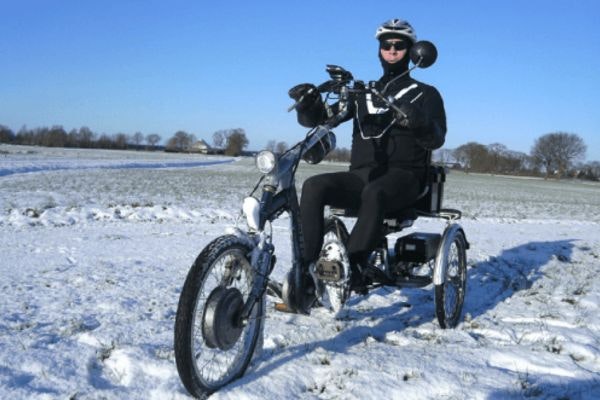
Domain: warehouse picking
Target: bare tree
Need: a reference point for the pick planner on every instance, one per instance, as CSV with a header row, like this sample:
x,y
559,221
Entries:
x,y
104,142
6,134
137,139
590,171
271,145
276,147
219,138
54,137
497,157
558,151
236,142
85,136
472,156
152,139
120,140
281,147
181,141
460,155
516,162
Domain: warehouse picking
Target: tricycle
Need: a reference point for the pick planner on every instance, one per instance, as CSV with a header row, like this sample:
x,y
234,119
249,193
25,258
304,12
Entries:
x,y
220,316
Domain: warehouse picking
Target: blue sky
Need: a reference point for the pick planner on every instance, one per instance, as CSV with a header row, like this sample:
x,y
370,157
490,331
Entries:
x,y
509,71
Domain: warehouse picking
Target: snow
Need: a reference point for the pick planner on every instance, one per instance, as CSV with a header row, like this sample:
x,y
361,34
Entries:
x,y
93,255
23,159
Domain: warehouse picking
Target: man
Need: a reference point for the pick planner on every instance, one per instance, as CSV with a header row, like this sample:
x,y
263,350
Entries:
x,y
389,157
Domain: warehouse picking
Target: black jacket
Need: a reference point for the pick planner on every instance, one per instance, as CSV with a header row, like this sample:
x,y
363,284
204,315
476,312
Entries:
x,y
378,140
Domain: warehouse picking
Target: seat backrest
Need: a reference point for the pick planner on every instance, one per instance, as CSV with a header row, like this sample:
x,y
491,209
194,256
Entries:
x,y
431,202
428,203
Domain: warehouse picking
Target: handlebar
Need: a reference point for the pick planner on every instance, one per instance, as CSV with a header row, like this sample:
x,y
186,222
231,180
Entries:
x,y
423,54
344,85
344,89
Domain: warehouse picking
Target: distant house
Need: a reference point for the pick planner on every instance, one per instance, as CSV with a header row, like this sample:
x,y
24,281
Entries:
x,y
200,147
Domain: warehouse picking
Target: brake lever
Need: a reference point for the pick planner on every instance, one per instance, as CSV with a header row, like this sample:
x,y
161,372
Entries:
x,y
390,101
387,101
328,86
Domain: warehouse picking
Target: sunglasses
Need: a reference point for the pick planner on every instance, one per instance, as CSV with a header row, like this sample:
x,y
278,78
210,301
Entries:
x,y
387,45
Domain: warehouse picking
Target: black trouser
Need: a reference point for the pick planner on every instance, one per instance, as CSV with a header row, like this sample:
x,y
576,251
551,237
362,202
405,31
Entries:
x,y
364,190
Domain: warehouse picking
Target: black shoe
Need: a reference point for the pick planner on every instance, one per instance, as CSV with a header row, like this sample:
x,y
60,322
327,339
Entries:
x,y
359,283
308,298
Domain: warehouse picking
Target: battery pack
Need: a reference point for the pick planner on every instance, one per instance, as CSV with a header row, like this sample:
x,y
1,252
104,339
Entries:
x,y
417,247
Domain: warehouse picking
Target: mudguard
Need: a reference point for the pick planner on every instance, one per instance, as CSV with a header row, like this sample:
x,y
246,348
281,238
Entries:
x,y
441,259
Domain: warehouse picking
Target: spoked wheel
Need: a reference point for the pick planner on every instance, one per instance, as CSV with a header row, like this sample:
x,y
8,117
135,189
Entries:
x,y
334,247
450,293
212,345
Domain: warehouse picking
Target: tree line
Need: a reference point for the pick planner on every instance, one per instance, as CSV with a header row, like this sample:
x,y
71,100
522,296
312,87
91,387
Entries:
x,y
228,141
231,142
84,137
557,154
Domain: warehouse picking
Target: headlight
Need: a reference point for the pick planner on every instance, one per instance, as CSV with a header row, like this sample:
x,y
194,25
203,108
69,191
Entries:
x,y
265,161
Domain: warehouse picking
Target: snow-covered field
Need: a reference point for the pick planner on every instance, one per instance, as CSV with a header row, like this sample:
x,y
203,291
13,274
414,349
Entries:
x,y
95,246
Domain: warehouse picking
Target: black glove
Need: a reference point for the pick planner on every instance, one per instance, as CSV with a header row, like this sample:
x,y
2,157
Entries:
x,y
310,93
411,116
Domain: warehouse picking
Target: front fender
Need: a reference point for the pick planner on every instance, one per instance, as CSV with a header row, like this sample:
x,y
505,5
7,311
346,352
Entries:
x,y
250,239
441,259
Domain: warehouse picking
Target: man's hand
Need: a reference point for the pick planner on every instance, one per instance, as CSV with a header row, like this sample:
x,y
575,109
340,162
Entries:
x,y
410,116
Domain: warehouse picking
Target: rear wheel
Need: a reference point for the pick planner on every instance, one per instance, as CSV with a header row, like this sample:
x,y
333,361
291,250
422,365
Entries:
x,y
212,346
450,294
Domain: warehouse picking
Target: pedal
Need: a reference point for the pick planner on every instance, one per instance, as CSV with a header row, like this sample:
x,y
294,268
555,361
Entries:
x,y
331,271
